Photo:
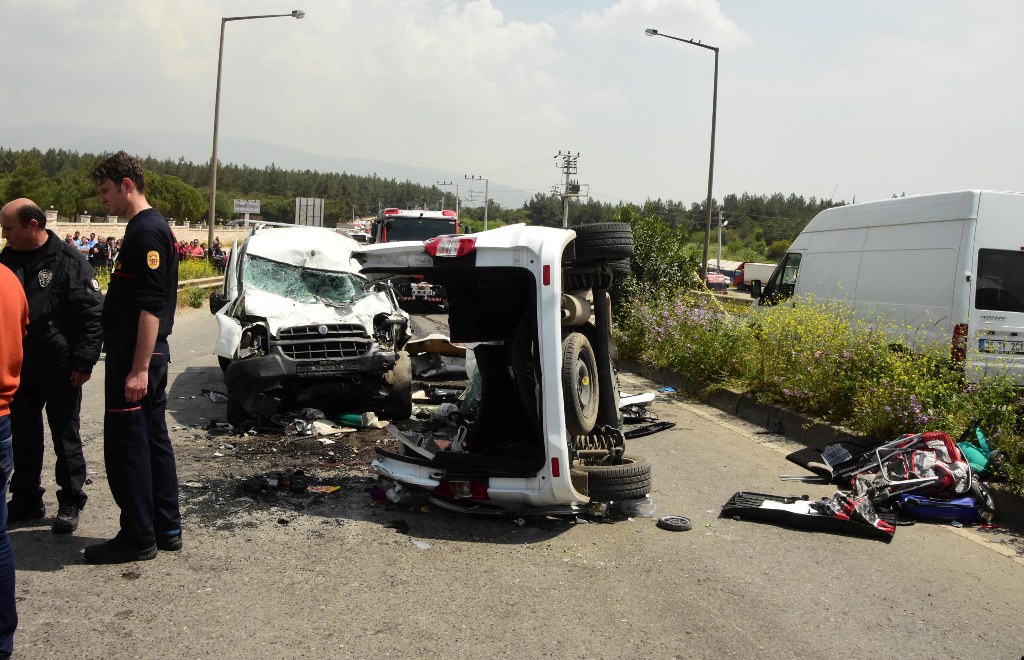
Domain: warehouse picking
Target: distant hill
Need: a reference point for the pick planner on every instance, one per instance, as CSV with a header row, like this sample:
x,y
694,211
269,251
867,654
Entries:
x,y
196,149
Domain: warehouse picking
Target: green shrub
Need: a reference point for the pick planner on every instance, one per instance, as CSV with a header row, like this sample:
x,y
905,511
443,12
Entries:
x,y
194,269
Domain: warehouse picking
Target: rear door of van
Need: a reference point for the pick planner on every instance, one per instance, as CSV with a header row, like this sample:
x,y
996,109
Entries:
x,y
996,321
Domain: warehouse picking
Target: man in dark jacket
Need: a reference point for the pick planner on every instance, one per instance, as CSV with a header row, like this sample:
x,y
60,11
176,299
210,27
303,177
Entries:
x,y
138,315
63,344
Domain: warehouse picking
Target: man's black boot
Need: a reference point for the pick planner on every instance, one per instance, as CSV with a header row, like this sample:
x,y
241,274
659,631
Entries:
x,y
66,520
112,552
19,510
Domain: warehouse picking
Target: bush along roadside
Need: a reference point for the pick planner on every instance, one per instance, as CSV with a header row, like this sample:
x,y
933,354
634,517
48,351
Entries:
x,y
817,359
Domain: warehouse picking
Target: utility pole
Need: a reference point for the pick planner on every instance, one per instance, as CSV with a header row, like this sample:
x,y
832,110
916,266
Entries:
x,y
571,187
449,183
476,177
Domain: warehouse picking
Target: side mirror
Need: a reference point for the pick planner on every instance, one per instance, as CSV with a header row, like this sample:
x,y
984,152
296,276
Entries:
x,y
217,300
755,289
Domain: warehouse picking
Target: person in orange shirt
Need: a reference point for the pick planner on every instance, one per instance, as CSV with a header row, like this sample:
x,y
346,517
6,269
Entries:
x,y
13,328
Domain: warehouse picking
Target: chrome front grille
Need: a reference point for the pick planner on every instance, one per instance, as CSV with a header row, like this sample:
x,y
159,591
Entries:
x,y
324,341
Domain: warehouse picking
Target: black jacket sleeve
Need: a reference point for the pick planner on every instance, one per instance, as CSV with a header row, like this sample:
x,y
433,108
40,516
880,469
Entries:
x,y
84,311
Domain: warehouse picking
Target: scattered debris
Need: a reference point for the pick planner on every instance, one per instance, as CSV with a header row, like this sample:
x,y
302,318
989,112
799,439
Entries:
x,y
215,396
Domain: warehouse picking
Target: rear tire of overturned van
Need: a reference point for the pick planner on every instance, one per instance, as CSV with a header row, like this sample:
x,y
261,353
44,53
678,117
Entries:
x,y
629,480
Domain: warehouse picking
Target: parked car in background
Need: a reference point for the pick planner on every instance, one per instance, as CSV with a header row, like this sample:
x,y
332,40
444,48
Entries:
x,y
301,327
717,281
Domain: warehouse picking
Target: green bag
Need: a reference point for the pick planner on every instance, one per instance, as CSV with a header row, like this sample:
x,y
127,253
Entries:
x,y
976,451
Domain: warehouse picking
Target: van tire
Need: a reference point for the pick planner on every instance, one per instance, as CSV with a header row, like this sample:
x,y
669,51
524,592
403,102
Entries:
x,y
620,268
398,404
580,389
603,241
630,479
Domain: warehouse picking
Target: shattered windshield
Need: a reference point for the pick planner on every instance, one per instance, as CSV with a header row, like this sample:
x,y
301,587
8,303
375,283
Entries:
x,y
301,284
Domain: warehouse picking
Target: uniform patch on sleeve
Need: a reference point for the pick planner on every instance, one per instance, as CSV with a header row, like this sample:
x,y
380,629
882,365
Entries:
x,y
153,259
94,284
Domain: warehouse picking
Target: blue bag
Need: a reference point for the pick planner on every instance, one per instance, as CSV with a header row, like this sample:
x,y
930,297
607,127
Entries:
x,y
963,509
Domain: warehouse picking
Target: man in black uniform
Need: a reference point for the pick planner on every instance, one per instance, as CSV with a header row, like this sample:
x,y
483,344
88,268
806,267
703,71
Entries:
x,y
138,314
62,345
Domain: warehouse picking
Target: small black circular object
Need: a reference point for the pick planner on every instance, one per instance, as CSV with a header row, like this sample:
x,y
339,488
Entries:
x,y
675,523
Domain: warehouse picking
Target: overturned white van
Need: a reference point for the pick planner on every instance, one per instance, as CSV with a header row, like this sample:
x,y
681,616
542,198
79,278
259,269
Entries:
x,y
950,266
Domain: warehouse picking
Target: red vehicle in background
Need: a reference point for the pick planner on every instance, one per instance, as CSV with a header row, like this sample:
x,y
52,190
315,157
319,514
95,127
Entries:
x,y
394,225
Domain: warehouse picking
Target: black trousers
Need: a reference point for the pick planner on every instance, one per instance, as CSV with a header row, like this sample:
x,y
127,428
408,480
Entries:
x,y
63,403
137,450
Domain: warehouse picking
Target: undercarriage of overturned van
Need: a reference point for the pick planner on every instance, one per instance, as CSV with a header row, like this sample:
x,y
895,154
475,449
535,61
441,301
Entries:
x,y
541,432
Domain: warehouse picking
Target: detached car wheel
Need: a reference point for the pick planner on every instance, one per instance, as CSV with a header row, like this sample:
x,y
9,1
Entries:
x,y
604,240
630,479
579,384
398,404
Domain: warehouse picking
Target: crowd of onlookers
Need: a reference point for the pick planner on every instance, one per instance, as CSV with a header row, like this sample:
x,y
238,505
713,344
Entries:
x,y
100,252
97,251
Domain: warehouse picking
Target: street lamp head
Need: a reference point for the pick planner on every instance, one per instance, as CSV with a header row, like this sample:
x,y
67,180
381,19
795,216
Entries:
x,y
298,13
650,32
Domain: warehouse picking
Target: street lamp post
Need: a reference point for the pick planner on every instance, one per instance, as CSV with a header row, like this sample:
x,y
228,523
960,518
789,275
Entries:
x,y
651,32
298,13
486,183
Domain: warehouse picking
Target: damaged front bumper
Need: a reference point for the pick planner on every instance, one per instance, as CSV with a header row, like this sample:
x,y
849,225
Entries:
x,y
259,384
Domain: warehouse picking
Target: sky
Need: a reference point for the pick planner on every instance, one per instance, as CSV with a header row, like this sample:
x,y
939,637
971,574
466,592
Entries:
x,y
850,100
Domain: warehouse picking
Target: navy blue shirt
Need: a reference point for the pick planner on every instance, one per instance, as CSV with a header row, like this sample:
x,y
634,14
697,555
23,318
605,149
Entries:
x,y
144,277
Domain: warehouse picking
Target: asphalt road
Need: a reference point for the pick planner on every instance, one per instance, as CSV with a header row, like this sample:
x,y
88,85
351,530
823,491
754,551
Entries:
x,y
281,576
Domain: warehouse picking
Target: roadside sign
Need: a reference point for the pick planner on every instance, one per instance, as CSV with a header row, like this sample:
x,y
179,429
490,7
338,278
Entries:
x,y
247,206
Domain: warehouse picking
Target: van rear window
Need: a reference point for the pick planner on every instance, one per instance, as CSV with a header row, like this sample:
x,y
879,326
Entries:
x,y
1000,280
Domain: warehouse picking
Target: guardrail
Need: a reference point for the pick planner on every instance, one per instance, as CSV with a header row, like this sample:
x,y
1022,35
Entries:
x,y
201,282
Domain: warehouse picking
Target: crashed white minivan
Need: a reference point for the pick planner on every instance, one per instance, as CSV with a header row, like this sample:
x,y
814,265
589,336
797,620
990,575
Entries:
x,y
301,327
532,304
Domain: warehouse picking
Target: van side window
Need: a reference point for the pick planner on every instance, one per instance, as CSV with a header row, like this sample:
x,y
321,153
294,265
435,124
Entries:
x,y
1000,285
783,281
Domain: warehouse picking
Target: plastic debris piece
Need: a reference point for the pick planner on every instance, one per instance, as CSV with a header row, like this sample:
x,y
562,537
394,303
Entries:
x,y
327,490
217,454
325,441
420,544
667,389
641,507
217,397
956,523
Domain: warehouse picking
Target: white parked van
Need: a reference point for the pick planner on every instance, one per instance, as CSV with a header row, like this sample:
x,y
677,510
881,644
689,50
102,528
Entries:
x,y
948,265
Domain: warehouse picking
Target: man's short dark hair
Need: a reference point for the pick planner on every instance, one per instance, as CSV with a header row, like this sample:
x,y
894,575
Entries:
x,y
119,167
28,212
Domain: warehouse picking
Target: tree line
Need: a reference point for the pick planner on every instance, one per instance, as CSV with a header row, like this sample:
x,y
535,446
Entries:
x,y
759,227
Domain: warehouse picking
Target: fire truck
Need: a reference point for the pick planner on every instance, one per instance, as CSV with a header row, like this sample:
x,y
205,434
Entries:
x,y
394,225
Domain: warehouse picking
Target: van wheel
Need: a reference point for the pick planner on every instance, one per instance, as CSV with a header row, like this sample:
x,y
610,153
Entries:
x,y
579,384
398,404
603,240
629,480
620,268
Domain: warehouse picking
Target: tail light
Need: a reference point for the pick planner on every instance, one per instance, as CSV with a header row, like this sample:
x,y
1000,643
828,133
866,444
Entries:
x,y
461,490
958,350
450,246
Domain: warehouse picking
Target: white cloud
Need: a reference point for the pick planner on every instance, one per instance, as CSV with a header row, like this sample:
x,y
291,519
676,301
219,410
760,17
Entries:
x,y
697,19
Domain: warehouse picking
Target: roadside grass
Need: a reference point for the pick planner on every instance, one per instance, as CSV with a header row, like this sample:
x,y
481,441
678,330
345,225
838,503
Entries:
x,y
816,358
